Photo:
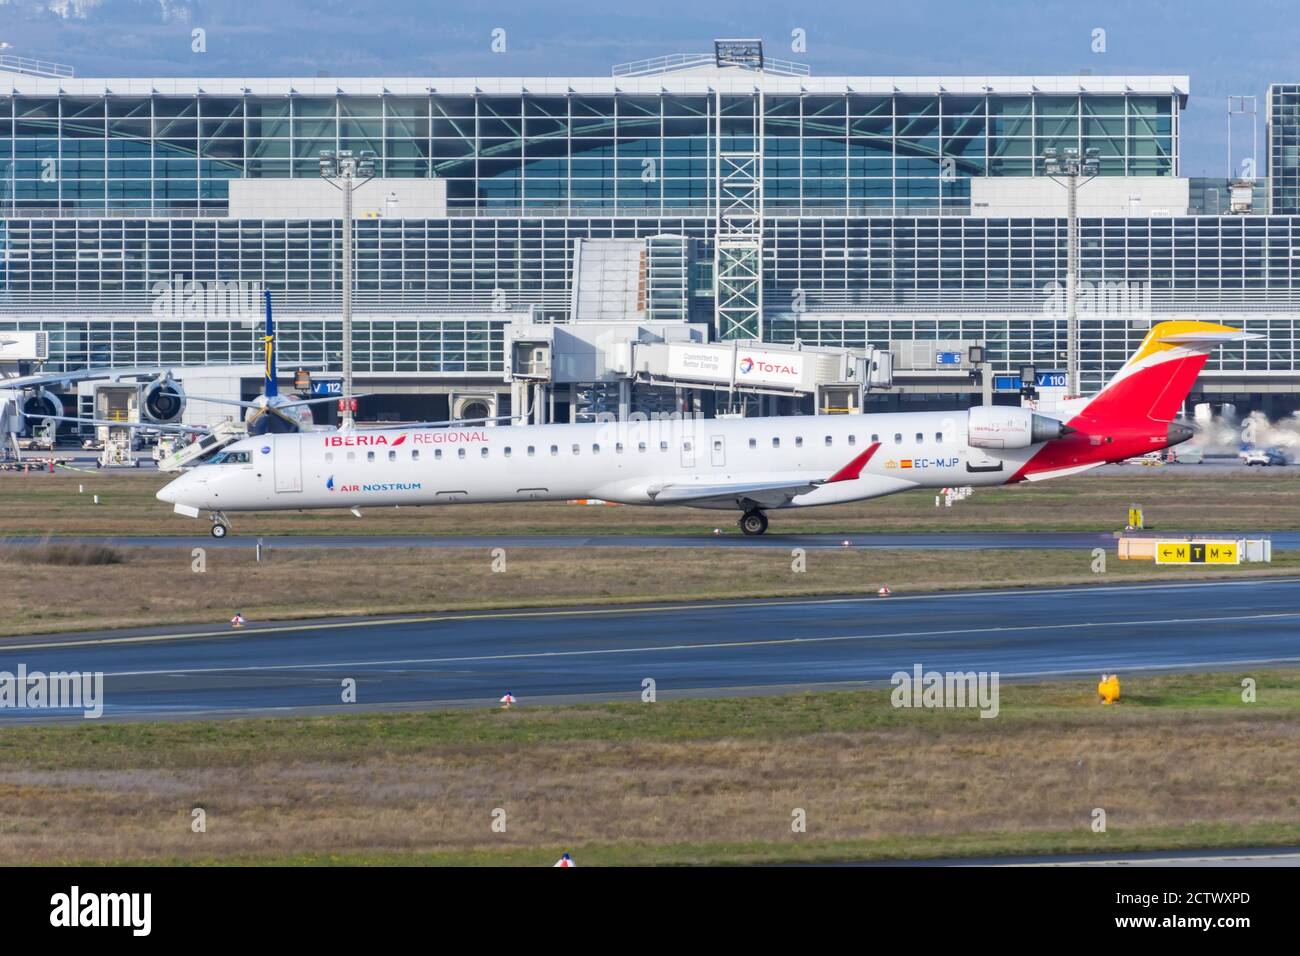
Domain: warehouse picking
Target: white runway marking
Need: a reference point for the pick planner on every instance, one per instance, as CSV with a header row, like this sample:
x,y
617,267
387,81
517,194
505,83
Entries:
x,y
525,614
714,645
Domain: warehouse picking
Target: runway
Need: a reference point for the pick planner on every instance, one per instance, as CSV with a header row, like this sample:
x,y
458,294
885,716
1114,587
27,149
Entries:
x,y
730,538
695,649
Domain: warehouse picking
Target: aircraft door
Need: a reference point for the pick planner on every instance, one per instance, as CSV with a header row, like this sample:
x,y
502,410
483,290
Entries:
x,y
287,450
718,451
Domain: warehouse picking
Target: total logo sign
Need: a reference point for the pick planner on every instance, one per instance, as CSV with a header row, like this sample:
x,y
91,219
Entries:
x,y
771,367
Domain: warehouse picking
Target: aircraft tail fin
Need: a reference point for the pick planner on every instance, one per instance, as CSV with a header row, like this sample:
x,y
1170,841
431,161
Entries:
x,y
269,386
1158,377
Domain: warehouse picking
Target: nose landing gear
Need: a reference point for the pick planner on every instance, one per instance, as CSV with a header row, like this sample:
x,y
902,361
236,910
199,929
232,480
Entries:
x,y
753,522
220,526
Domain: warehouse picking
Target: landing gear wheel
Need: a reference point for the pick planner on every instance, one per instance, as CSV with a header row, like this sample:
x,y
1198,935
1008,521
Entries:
x,y
219,530
753,522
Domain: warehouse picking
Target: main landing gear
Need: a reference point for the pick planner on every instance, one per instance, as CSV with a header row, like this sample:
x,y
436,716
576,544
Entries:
x,y
753,522
220,526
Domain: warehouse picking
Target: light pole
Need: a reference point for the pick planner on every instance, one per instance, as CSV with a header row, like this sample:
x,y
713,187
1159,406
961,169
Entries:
x,y
1068,166
347,172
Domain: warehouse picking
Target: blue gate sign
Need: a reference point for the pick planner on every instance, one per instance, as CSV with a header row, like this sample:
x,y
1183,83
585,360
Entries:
x,y
1011,383
329,386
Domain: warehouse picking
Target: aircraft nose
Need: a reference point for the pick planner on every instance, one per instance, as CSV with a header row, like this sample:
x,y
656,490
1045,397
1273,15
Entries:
x,y
173,490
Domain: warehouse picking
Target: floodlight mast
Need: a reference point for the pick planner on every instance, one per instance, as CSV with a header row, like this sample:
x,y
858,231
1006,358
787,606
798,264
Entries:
x,y
1067,166
347,172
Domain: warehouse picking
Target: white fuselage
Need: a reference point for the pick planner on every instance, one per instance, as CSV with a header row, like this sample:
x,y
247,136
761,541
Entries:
x,y
627,462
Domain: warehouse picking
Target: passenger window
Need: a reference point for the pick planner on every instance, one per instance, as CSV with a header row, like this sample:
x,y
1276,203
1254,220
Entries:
x,y
717,444
618,448
595,449
874,439
392,455
352,456
437,454
370,456
577,449
938,437
798,442
329,457
828,441
640,446
531,451
898,438
853,439
415,454
663,446
686,446
505,451
920,438
555,449
776,443
460,452
753,443
483,452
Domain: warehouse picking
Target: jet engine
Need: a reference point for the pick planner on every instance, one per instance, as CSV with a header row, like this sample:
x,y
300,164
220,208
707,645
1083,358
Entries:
x,y
42,404
1006,426
163,400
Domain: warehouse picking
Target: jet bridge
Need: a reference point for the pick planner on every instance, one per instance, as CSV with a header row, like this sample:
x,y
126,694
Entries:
x,y
622,366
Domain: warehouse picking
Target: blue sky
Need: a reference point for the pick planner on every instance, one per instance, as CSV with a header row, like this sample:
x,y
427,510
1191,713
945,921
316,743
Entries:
x,y
1226,48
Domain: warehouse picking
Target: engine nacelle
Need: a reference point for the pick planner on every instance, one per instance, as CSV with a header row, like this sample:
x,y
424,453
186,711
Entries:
x,y
163,400
40,403
1006,426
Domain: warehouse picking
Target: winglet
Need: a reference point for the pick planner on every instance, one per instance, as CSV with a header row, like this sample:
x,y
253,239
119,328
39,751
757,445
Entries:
x,y
854,468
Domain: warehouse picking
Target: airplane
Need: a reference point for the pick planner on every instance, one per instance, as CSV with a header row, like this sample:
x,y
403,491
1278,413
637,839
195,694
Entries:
x,y
269,412
753,465
28,397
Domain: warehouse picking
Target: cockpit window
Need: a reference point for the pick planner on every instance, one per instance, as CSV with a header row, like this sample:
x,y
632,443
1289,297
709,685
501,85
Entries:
x,y
229,458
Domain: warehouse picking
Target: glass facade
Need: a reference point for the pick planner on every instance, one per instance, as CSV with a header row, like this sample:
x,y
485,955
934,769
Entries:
x,y
569,155
865,230
996,271
474,263
381,347
1284,148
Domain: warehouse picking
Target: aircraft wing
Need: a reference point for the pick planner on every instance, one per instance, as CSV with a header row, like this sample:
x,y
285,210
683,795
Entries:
x,y
456,421
279,405
85,375
150,426
765,494
316,401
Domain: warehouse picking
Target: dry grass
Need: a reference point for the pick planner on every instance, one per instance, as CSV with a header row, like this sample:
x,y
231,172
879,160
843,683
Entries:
x,y
1174,499
1177,753
61,553
160,586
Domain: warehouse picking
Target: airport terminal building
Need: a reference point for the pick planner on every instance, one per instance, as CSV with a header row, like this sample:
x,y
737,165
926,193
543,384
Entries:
x,y
542,229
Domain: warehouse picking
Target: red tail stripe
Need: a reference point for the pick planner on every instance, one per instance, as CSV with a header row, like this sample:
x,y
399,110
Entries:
x,y
854,468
